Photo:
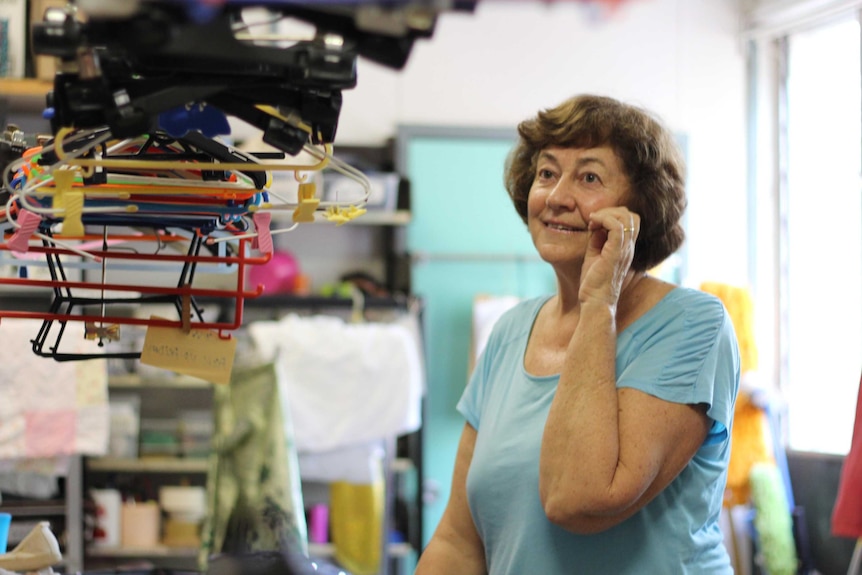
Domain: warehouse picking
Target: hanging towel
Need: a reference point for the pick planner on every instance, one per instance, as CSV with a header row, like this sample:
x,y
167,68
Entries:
x,y
751,444
847,513
739,304
48,408
253,486
772,520
750,436
347,383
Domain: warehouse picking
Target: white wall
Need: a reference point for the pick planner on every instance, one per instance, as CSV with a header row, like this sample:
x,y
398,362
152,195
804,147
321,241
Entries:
x,y
501,63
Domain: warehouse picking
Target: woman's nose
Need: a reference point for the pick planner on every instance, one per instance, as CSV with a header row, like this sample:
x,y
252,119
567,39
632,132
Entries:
x,y
561,197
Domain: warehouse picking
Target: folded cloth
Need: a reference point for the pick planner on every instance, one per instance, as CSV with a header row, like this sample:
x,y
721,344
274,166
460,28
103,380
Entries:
x,y
49,408
30,484
39,549
353,464
345,383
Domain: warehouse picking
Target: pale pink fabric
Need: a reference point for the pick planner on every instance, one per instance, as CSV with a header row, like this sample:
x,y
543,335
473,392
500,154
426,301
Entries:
x,y
49,408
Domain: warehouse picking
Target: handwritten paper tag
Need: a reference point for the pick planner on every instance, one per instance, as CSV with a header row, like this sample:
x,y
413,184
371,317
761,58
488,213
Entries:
x,y
199,353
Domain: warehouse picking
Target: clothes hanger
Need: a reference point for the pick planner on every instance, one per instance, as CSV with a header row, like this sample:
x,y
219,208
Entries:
x,y
65,305
90,163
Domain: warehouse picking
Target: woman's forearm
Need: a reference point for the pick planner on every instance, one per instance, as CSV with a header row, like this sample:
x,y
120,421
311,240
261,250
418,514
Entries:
x,y
581,442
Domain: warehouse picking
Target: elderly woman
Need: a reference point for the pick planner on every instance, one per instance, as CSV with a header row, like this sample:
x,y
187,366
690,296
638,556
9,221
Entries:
x,y
598,419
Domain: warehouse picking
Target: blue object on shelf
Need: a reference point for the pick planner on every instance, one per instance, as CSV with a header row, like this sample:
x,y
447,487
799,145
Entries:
x,y
208,120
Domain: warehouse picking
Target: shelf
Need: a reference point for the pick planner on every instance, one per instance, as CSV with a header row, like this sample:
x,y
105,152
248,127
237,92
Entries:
x,y
158,551
149,465
369,218
31,508
313,302
382,218
314,550
328,549
133,381
26,87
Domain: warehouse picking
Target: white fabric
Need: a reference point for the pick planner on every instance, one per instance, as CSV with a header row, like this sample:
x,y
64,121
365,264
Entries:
x,y
50,408
487,309
346,383
358,464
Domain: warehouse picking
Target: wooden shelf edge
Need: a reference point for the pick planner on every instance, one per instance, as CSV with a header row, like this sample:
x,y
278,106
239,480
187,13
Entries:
x,y
159,551
148,465
134,381
28,87
382,218
33,508
305,302
328,549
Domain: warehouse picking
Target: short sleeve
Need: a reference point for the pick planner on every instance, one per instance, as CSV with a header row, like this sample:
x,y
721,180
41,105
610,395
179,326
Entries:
x,y
470,404
691,356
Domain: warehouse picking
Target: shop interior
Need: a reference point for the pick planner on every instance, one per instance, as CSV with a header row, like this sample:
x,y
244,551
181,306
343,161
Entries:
x,y
155,406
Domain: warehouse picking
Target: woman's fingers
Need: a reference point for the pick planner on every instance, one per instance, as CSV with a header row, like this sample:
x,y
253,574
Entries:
x,y
616,221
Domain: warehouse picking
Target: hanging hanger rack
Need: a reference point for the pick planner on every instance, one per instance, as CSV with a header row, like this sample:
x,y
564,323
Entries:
x,y
42,199
65,303
69,159
130,198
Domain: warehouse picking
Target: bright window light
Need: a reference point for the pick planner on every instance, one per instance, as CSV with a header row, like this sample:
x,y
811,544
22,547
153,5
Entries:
x,y
821,271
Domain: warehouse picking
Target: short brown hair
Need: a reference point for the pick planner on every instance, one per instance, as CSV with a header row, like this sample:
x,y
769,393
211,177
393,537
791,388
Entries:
x,y
650,157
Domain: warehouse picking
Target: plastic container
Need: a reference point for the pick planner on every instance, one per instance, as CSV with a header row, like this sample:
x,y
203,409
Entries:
x,y
109,506
141,525
185,507
5,521
318,524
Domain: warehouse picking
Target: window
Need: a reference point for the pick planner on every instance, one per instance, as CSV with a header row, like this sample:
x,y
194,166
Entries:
x,y
820,237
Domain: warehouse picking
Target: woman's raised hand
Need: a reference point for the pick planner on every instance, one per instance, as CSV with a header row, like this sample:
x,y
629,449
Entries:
x,y
609,254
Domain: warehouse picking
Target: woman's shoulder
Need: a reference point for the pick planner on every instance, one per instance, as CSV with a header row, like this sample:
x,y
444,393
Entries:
x,y
685,305
695,300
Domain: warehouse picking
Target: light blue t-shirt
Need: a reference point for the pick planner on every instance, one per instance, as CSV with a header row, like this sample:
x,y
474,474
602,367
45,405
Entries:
x,y
683,350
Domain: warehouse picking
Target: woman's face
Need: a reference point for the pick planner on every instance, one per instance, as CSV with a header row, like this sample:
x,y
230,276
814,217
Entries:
x,y
569,185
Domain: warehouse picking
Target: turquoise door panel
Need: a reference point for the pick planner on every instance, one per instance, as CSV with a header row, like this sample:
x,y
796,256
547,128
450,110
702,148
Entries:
x,y
466,240
458,201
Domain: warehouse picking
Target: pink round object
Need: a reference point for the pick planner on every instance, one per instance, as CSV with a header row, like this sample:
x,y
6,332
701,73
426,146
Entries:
x,y
278,275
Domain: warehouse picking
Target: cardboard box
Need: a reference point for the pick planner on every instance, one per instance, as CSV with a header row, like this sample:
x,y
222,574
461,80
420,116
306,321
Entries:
x,y
13,35
44,67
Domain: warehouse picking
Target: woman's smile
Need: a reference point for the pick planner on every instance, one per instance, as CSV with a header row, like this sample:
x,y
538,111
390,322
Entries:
x,y
561,227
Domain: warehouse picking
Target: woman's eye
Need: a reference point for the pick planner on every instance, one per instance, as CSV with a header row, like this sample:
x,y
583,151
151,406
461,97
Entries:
x,y
545,174
591,178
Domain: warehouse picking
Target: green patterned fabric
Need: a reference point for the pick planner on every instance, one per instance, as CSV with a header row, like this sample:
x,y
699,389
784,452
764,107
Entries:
x,y
253,484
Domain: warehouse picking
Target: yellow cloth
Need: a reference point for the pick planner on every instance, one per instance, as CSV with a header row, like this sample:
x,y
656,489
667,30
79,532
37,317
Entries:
x,y
751,439
356,523
740,307
751,443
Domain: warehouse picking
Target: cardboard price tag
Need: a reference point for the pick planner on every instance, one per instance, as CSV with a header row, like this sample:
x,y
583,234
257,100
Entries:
x,y
199,353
